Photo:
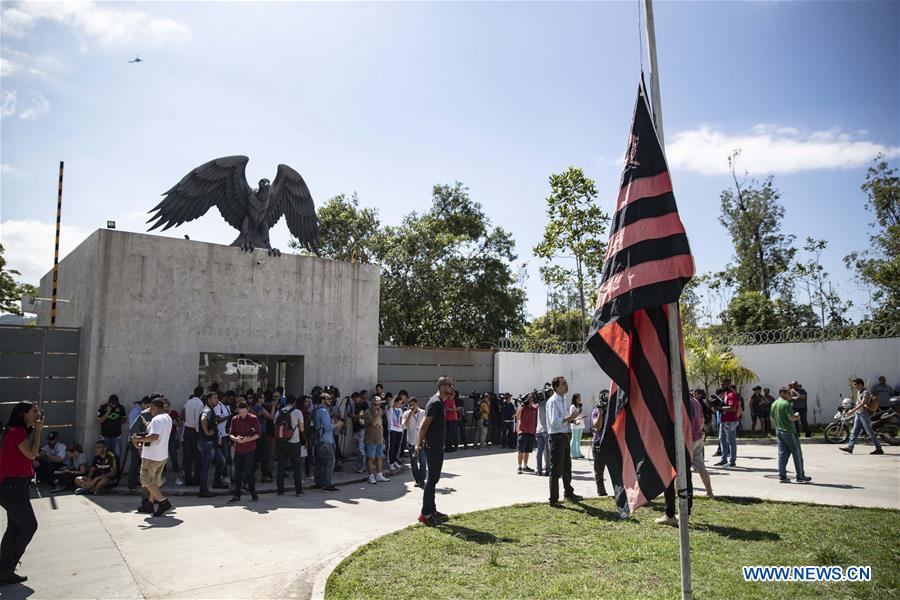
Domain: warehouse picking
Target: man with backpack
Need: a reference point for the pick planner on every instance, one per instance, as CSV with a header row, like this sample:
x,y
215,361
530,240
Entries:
x,y
866,405
288,427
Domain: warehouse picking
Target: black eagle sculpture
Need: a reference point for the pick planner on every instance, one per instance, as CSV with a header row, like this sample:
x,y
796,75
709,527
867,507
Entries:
x,y
223,182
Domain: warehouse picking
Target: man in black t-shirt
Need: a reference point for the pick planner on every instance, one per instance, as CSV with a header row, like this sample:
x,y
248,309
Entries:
x,y
431,441
110,417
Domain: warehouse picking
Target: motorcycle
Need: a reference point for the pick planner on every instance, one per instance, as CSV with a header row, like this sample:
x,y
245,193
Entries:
x,y
885,423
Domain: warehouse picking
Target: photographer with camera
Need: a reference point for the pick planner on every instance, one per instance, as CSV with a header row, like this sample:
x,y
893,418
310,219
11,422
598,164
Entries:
x,y
481,413
559,423
598,416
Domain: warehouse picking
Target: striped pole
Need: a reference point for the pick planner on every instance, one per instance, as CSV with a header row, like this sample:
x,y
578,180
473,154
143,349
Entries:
x,y
56,247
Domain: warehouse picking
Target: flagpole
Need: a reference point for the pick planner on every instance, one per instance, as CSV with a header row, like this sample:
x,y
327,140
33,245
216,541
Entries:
x,y
674,344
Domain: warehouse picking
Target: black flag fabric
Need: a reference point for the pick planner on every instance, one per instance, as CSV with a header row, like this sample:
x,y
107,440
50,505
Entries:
x,y
648,262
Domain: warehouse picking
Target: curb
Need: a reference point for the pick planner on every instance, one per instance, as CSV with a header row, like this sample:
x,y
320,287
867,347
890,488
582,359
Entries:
x,y
182,492
321,580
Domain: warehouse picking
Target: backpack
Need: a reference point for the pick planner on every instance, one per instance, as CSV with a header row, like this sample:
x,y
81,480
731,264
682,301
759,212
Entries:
x,y
283,429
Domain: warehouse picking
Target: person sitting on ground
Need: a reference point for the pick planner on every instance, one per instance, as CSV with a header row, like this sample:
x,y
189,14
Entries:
x,y
50,458
102,472
526,416
74,466
786,435
374,441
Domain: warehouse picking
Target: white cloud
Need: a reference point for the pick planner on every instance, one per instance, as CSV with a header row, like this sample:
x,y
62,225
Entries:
x,y
28,246
28,106
107,24
10,170
15,61
769,148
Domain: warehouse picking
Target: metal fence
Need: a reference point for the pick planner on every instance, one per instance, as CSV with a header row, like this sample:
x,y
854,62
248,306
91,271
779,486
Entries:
x,y
810,334
40,364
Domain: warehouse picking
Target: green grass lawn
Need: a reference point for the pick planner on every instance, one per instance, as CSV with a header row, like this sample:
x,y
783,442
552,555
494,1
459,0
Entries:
x,y
585,551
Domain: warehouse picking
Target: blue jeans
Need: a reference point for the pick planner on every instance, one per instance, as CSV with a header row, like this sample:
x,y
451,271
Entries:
x,y
209,452
543,451
360,448
114,444
789,445
419,465
728,441
862,421
324,464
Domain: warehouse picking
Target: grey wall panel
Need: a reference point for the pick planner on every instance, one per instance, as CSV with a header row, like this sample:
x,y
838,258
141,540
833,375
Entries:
x,y
20,339
16,390
58,413
61,365
20,365
417,370
432,373
59,389
63,340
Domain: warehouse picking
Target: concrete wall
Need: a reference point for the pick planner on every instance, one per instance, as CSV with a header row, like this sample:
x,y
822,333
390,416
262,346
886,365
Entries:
x,y
823,368
521,372
149,305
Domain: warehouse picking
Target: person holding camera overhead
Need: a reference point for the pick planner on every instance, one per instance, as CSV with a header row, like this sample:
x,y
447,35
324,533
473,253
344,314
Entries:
x,y
559,422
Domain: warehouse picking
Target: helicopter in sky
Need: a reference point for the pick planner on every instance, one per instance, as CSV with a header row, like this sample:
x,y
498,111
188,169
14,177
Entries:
x,y
136,59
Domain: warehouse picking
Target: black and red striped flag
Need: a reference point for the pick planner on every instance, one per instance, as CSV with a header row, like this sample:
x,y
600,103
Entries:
x,y
648,261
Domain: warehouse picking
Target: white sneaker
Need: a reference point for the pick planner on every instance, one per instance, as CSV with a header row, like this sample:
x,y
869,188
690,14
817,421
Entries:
x,y
372,479
179,482
226,480
381,477
397,466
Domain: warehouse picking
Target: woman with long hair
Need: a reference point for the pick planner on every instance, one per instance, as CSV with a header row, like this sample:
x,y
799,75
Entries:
x,y
577,426
17,452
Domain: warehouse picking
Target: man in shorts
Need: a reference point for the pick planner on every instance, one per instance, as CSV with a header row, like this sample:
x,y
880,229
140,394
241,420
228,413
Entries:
x,y
374,440
154,456
526,417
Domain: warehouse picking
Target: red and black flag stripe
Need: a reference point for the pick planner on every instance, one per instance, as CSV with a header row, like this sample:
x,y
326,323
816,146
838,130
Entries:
x,y
648,262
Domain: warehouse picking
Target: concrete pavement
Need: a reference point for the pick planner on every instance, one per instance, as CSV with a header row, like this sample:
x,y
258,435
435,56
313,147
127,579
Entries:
x,y
277,547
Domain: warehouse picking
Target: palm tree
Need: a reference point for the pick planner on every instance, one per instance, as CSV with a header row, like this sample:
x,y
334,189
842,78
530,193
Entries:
x,y
709,362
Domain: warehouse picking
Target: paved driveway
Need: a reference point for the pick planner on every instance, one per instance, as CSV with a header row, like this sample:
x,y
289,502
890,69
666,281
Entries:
x,y
100,548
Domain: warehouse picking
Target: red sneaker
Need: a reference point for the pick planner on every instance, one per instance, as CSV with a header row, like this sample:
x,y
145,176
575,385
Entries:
x,y
428,521
440,517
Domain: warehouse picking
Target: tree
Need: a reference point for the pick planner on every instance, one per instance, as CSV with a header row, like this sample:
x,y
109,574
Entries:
x,y
556,325
819,290
707,363
346,232
11,292
752,215
878,267
575,226
750,311
446,278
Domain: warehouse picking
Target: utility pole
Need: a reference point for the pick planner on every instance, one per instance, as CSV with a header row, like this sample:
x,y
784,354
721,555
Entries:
x,y
56,247
674,344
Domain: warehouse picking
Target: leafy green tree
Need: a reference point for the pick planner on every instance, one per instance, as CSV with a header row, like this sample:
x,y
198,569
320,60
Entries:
x,y
707,363
819,290
752,214
446,278
878,266
11,291
750,311
575,229
556,325
346,231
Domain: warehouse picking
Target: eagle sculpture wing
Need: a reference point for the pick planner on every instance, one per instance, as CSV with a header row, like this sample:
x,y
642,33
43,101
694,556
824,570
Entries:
x,y
221,182
290,197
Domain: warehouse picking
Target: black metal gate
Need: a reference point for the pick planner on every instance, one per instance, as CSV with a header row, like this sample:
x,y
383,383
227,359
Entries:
x,y
40,364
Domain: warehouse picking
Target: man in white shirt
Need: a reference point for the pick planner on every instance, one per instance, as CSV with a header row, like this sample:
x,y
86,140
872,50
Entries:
x,y
412,419
154,455
192,409
558,424
50,458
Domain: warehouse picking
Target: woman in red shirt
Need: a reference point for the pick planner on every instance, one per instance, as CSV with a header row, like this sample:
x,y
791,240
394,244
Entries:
x,y
16,471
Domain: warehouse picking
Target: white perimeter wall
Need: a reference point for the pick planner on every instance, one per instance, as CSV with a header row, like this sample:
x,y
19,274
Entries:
x,y
520,372
823,368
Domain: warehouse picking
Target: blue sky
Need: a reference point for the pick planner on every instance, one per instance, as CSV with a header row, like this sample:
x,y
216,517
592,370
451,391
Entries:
x,y
389,99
